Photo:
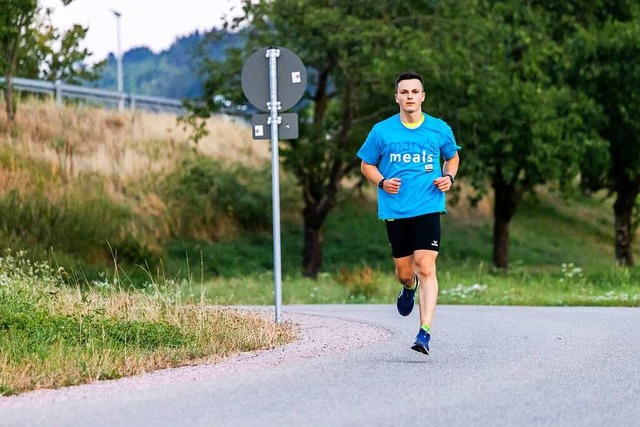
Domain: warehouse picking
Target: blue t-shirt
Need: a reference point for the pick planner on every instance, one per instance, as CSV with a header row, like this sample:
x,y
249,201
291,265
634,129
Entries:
x,y
412,155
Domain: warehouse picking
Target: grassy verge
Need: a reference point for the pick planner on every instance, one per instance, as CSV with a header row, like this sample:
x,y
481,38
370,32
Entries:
x,y
560,255
566,286
54,335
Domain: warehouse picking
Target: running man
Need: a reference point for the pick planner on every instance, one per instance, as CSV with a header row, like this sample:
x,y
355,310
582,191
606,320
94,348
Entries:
x,y
402,156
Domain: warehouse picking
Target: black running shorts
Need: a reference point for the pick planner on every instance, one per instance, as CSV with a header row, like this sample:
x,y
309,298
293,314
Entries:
x,y
407,235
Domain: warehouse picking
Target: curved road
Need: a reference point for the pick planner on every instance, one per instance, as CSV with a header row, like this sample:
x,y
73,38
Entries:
x,y
489,366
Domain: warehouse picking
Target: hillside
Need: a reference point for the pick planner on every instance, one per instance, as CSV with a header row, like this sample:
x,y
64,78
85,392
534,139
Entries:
x,y
75,179
171,73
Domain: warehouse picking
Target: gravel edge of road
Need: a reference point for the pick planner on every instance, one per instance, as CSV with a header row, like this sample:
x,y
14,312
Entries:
x,y
318,336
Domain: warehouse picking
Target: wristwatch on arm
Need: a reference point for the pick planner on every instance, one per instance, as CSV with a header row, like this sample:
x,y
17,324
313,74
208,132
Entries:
x,y
381,183
450,177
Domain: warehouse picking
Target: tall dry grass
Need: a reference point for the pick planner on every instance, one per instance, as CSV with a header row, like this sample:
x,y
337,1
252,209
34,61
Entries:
x,y
73,151
76,140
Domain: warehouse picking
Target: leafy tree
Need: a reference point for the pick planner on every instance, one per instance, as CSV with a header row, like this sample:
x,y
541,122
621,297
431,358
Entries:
x,y
52,55
519,128
33,47
491,70
16,18
603,42
353,51
67,62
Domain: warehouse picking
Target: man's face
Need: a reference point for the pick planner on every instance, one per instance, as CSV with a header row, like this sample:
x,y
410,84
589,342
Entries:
x,y
410,95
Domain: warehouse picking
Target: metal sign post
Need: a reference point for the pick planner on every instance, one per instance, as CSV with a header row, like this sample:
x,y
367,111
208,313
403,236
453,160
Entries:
x,y
286,83
274,121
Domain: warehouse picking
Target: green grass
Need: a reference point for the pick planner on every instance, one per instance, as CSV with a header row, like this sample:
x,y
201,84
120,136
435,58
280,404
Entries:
x,y
561,254
464,285
52,334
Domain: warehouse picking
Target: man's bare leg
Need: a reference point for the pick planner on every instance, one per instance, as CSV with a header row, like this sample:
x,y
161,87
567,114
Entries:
x,y
425,262
405,269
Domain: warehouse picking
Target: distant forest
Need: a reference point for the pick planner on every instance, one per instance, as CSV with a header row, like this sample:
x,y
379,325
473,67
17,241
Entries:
x,y
172,73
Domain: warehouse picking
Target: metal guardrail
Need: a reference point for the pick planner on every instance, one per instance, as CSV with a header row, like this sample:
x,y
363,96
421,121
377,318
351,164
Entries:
x,y
106,98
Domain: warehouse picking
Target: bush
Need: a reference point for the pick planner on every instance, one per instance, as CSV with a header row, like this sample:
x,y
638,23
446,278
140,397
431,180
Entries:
x,y
77,225
205,195
360,283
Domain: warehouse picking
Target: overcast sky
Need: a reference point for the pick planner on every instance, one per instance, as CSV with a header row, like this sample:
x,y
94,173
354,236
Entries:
x,y
151,23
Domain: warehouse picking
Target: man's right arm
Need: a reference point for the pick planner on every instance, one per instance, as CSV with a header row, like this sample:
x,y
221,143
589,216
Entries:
x,y
373,174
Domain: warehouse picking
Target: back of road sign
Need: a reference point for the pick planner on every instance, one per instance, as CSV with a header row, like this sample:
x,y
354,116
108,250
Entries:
x,y
287,129
291,77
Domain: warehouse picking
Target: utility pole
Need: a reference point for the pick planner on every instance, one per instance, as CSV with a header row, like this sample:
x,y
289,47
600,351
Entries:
x,y
119,60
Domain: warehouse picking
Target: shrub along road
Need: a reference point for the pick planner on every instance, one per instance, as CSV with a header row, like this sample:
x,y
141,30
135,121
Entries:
x,y
489,366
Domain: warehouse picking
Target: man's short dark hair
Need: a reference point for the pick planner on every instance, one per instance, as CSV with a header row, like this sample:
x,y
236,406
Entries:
x,y
408,75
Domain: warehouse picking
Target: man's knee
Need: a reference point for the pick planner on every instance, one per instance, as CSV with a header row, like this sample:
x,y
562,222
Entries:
x,y
426,271
405,276
426,265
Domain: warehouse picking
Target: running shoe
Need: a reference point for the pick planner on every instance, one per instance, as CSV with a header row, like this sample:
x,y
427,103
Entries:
x,y
406,298
422,342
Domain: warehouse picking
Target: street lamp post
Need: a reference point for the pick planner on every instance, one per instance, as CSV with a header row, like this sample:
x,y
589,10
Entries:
x,y
119,60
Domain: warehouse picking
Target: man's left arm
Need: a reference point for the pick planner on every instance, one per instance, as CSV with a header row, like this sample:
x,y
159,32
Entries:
x,y
449,171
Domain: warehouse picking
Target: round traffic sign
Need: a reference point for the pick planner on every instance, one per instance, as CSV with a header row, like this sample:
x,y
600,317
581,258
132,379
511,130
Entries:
x,y
291,79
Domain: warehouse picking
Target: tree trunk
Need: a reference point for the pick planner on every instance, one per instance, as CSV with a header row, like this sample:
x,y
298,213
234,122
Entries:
x,y
625,159
312,249
507,198
8,98
317,206
501,242
321,178
626,195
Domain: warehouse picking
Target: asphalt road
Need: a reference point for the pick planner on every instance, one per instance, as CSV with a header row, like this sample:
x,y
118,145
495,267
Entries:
x,y
489,366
